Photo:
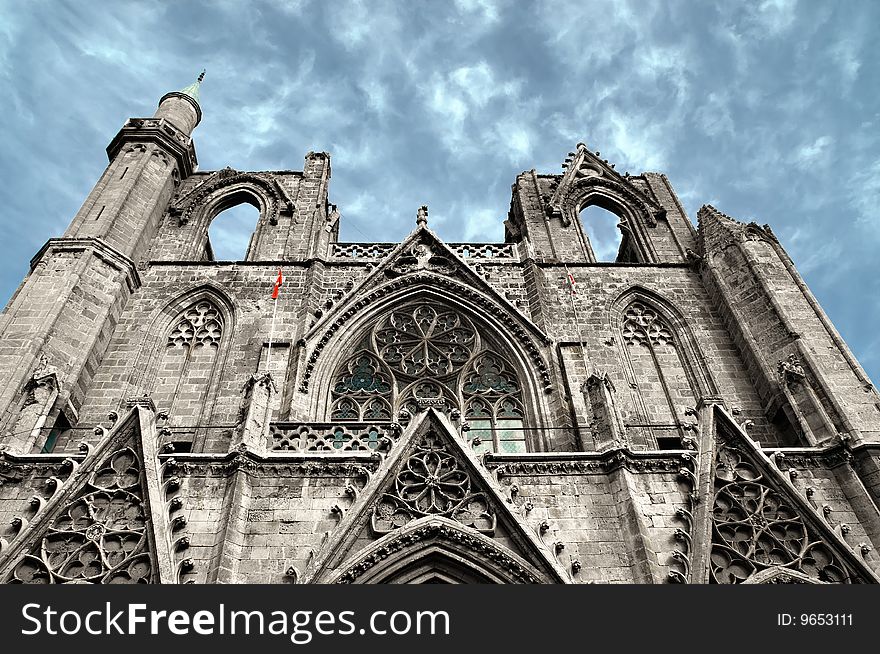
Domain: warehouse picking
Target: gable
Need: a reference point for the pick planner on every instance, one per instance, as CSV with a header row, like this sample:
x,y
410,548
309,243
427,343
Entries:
x,y
586,170
430,497
423,263
99,525
761,524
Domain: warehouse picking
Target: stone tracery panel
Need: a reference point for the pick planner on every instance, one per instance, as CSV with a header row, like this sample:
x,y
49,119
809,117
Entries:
x,y
493,406
100,535
428,355
187,363
433,482
362,390
662,389
421,341
756,528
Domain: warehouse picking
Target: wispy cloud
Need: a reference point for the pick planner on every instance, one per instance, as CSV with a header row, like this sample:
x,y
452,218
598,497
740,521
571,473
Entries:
x,y
766,109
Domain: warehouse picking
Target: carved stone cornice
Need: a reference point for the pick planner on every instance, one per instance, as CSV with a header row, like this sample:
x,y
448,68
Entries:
x,y
274,465
812,457
106,253
161,132
585,463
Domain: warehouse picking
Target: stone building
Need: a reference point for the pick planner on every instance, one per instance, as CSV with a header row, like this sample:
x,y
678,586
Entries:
x,y
426,411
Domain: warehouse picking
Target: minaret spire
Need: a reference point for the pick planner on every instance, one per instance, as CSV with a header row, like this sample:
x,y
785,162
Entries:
x,y
187,114
193,89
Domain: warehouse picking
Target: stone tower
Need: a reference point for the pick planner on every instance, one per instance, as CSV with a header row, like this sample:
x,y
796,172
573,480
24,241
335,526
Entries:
x,y
516,412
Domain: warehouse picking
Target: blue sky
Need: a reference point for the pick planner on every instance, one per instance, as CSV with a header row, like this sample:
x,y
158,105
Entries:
x,y
767,109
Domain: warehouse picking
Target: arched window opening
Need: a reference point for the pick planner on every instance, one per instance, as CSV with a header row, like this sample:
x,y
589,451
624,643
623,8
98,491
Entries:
x,y
187,367
362,391
427,355
608,241
662,385
787,435
494,406
231,231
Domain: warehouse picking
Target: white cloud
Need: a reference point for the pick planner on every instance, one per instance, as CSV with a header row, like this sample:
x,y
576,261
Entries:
x,y
487,9
846,54
636,139
864,197
812,154
773,17
474,110
480,224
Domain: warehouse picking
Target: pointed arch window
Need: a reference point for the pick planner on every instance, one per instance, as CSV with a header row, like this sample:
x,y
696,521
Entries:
x,y
428,355
493,406
603,231
231,231
609,232
188,364
660,380
362,390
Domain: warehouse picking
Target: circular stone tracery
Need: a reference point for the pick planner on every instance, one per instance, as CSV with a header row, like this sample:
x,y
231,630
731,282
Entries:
x,y
422,341
756,528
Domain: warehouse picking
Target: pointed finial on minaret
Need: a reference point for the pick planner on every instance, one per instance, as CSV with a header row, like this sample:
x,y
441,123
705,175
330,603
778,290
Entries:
x,y
422,216
169,106
193,89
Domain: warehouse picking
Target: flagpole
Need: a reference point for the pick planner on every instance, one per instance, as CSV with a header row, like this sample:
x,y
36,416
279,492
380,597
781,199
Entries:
x,y
271,334
275,294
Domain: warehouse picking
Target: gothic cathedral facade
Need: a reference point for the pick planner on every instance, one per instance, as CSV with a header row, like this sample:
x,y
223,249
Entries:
x,y
423,412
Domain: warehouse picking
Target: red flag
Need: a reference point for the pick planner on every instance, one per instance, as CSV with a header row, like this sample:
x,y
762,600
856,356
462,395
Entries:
x,y
571,283
278,283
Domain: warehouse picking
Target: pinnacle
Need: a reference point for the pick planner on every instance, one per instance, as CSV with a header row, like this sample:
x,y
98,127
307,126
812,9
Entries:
x,y
193,89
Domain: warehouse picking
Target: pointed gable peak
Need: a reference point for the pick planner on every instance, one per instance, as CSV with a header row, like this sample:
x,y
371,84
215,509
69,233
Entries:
x,y
717,230
584,168
104,524
587,163
707,213
432,490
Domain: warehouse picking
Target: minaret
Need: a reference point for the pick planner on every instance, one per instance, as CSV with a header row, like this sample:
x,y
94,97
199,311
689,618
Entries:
x,y
181,108
148,158
64,313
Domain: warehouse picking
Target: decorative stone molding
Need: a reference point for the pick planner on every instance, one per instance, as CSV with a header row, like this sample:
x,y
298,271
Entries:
x,y
106,253
161,132
468,293
583,463
585,174
331,437
421,256
278,203
360,251
355,465
439,529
